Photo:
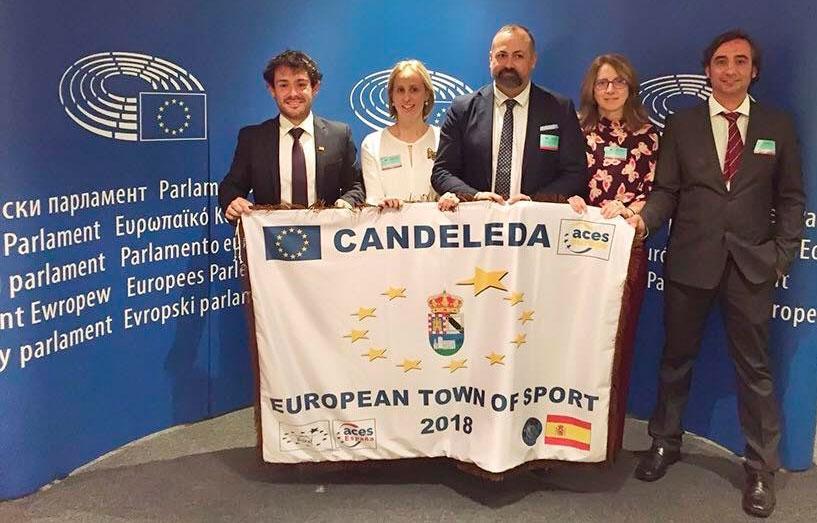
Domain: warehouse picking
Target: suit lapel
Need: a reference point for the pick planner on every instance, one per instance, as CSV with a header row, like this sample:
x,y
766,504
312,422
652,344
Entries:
x,y
747,156
270,152
320,147
484,118
707,145
535,112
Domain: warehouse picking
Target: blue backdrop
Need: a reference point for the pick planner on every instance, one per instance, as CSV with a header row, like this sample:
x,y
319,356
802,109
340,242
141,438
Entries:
x,y
138,359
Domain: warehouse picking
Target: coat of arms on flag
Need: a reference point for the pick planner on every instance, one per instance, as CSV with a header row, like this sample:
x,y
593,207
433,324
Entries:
x,y
446,324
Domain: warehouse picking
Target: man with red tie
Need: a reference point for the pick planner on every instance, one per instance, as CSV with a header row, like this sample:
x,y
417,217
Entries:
x,y
729,175
296,157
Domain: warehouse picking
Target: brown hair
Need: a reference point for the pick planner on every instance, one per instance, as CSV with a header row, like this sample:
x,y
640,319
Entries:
x,y
510,28
296,60
728,36
634,114
409,67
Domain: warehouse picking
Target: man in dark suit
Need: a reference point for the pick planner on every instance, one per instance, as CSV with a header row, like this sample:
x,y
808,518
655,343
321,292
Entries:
x,y
724,169
296,157
511,139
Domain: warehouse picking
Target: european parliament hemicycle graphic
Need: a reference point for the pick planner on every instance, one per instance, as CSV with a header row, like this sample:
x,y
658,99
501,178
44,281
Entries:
x,y
134,97
369,97
663,95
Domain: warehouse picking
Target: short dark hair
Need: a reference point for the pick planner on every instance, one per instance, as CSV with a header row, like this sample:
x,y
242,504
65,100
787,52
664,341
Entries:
x,y
509,28
728,36
297,60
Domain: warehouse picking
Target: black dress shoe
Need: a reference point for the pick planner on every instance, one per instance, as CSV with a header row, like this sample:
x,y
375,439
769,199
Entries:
x,y
655,462
758,495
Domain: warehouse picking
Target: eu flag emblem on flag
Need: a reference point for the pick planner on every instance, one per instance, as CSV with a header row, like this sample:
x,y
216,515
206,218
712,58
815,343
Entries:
x,y
172,116
293,242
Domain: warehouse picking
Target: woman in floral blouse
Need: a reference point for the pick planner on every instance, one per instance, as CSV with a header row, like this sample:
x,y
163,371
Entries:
x,y
621,142
621,151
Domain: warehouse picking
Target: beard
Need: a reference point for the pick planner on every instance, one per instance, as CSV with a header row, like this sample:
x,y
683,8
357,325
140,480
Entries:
x,y
508,78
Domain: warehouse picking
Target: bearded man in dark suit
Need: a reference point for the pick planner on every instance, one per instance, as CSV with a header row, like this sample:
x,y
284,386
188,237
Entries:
x,y
511,139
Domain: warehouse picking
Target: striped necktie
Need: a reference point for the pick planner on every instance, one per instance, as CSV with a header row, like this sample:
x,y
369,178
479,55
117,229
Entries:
x,y
734,147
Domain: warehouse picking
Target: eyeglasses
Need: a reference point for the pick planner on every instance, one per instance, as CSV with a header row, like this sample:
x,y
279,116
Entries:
x,y
617,83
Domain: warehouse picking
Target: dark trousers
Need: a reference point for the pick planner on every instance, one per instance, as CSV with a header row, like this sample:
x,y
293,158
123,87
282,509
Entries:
x,y
746,312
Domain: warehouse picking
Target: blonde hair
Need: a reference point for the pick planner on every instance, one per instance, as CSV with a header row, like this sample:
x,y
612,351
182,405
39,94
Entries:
x,y
634,114
409,67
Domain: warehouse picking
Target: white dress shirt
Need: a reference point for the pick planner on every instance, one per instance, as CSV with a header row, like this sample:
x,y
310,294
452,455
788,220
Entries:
x,y
720,126
393,168
285,141
520,127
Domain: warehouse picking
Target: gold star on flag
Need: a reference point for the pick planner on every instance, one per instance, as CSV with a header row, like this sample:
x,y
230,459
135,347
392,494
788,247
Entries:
x,y
364,312
515,297
520,339
375,354
356,335
495,359
456,365
395,292
485,280
526,316
408,365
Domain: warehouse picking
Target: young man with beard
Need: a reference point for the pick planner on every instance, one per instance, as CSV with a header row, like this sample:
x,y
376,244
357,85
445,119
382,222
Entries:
x,y
296,157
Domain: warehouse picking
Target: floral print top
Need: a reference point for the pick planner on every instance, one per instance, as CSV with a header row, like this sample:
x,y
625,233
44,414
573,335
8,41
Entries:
x,y
621,163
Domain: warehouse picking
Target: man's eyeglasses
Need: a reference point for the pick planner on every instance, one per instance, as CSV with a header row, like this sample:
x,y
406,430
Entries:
x,y
617,83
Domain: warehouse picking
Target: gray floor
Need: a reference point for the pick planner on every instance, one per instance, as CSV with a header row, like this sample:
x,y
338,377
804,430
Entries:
x,y
209,472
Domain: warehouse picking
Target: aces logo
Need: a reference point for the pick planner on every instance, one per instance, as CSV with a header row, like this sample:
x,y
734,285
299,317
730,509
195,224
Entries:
x,y
356,435
584,238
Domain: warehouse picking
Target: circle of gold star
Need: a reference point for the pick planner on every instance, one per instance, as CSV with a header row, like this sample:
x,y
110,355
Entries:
x,y
375,354
520,339
357,335
394,292
364,312
483,280
456,365
279,239
408,365
515,297
526,317
496,359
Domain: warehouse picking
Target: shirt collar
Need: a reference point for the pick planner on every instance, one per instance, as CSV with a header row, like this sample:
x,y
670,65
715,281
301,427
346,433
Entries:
x,y
308,125
715,108
522,98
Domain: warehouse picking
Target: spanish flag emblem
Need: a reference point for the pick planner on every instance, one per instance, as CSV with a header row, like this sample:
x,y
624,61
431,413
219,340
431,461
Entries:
x,y
567,431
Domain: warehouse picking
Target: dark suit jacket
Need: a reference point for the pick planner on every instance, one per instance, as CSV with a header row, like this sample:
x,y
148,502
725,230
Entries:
x,y
255,165
464,157
710,222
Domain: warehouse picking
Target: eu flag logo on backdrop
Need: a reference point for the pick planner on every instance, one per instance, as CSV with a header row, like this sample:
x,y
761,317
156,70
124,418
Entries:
x,y
293,242
172,116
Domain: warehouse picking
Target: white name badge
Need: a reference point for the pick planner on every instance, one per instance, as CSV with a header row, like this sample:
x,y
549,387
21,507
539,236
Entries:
x,y
549,142
765,147
614,152
390,162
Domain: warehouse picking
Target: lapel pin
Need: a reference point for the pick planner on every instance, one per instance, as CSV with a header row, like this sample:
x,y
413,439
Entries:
x,y
320,148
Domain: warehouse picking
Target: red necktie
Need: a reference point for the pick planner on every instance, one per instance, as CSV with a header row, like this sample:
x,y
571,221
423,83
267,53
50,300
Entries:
x,y
734,147
299,194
